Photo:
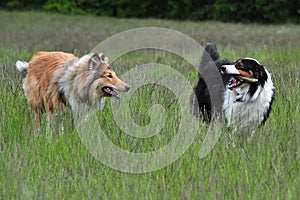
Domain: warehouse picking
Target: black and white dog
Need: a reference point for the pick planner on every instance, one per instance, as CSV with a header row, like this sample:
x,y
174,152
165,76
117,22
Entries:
x,y
248,93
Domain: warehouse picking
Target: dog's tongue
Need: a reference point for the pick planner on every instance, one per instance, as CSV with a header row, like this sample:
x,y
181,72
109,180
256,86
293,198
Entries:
x,y
112,92
234,82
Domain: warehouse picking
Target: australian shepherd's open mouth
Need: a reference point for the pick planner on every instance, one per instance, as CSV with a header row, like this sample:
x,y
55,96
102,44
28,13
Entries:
x,y
238,80
110,92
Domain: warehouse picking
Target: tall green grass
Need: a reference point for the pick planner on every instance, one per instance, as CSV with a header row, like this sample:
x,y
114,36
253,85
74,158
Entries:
x,y
56,165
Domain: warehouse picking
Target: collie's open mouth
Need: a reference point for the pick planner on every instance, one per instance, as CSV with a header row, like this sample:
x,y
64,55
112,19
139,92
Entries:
x,y
110,92
239,80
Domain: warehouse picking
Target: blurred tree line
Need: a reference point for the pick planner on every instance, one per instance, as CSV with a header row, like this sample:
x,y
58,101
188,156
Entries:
x,y
262,11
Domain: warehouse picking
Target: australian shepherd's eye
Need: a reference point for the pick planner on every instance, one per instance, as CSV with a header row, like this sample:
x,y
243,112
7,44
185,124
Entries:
x,y
240,65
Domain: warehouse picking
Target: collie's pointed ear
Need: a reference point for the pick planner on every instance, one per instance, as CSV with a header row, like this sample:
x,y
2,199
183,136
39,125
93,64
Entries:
x,y
95,60
103,58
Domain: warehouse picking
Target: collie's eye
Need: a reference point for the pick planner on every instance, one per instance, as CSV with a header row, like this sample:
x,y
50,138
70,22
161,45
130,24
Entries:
x,y
109,76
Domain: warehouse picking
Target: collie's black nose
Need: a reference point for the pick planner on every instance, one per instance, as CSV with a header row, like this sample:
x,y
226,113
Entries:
x,y
127,88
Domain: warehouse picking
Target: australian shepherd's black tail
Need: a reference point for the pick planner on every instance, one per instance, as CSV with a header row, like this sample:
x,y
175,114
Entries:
x,y
248,94
200,100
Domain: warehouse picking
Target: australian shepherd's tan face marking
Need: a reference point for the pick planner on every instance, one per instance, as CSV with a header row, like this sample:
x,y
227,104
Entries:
x,y
53,80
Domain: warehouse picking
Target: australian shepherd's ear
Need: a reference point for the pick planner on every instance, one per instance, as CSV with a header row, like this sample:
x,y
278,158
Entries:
x,y
248,93
53,80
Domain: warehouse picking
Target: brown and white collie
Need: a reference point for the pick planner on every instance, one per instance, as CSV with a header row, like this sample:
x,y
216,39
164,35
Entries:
x,y
53,80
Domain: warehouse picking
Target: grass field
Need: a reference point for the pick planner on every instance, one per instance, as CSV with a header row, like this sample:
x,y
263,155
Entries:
x,y
56,165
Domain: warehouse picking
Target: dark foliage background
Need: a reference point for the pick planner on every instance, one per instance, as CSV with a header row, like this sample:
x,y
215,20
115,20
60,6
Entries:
x,y
262,11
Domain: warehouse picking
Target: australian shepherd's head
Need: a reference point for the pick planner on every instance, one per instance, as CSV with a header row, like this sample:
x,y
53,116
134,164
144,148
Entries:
x,y
248,77
249,93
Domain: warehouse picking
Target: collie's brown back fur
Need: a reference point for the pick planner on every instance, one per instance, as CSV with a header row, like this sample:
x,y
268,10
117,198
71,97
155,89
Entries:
x,y
52,80
40,72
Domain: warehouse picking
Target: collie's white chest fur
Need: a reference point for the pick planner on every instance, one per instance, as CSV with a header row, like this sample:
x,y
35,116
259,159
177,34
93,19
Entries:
x,y
242,109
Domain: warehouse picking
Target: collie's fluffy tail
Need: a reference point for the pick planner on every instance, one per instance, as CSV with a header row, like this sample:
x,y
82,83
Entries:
x,y
22,66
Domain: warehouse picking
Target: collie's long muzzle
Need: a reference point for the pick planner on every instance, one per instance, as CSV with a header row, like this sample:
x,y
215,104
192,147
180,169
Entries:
x,y
109,91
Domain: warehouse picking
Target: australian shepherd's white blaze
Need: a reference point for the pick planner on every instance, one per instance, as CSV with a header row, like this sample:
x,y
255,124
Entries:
x,y
54,80
248,93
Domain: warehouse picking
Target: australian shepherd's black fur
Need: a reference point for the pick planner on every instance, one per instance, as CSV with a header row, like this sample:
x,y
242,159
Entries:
x,y
248,92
